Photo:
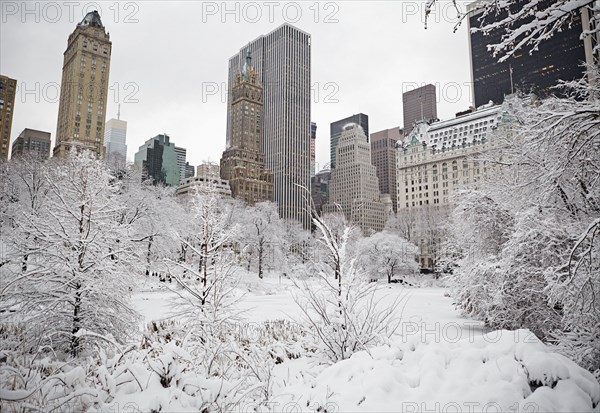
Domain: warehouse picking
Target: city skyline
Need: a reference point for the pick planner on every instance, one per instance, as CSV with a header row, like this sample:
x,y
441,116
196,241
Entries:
x,y
180,110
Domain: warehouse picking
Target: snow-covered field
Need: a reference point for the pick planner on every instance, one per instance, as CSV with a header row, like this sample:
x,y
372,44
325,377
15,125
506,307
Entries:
x,y
438,361
428,310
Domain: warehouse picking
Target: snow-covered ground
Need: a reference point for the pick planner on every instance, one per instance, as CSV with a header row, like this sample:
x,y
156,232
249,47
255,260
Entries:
x,y
438,361
427,311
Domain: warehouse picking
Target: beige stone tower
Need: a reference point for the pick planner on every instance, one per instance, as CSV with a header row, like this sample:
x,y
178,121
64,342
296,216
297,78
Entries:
x,y
8,89
354,187
83,93
243,162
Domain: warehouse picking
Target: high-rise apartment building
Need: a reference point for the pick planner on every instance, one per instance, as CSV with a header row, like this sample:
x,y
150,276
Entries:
x,y
243,162
557,58
419,104
383,158
353,186
282,63
8,89
84,88
336,129
158,161
33,143
115,139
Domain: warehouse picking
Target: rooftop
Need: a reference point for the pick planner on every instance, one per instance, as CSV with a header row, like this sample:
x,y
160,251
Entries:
x,y
92,19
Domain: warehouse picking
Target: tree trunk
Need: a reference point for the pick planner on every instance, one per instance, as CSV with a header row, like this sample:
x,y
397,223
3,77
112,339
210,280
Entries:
x,y
260,258
205,273
76,321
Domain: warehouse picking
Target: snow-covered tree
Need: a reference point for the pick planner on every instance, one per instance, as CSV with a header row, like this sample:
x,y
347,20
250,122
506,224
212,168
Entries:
x,y
77,282
533,226
263,235
525,23
387,255
210,258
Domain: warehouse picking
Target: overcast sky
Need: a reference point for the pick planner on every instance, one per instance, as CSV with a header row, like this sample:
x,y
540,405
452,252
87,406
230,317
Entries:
x,y
169,57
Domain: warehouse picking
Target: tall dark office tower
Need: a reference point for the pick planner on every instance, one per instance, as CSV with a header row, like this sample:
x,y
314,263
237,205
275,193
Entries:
x,y
558,58
336,129
418,104
313,148
282,61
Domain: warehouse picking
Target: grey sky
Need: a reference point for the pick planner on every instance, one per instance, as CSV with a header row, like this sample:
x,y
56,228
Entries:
x,y
169,56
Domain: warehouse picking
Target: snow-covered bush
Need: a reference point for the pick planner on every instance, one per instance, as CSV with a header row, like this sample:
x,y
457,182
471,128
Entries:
x,y
339,305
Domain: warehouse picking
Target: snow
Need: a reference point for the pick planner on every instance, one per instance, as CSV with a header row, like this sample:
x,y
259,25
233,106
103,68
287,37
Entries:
x,y
493,372
438,361
428,312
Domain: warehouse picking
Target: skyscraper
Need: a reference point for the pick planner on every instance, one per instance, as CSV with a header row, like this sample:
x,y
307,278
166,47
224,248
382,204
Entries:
x,y
418,104
282,63
313,148
8,88
115,139
31,142
243,162
557,58
84,87
181,154
383,158
353,185
336,128
158,161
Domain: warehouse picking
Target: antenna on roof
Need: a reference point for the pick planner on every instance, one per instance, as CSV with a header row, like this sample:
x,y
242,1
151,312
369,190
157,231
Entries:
x,y
119,112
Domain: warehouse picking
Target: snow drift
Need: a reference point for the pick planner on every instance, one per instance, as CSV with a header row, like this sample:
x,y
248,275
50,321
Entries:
x,y
502,371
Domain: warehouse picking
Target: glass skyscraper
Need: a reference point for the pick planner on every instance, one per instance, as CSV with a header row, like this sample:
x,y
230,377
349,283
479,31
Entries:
x,y
115,138
558,58
158,161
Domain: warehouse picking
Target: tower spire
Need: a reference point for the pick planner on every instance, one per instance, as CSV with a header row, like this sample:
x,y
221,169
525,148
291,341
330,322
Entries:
x,y
247,65
119,113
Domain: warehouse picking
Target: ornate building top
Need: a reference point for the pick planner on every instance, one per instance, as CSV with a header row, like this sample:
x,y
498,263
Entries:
x,y
247,74
92,19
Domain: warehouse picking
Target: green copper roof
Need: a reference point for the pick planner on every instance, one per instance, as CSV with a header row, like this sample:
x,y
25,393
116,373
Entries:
x,y
247,66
